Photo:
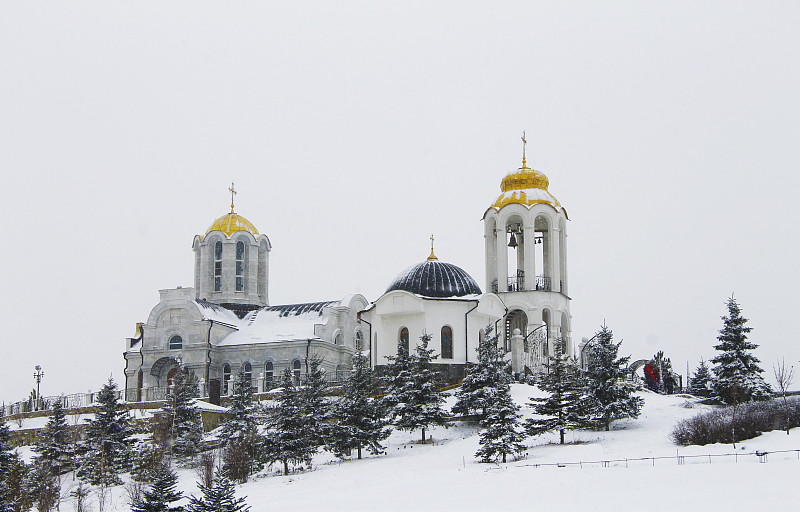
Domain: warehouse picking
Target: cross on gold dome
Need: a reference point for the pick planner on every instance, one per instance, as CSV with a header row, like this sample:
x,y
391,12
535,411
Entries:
x,y
524,143
432,257
233,193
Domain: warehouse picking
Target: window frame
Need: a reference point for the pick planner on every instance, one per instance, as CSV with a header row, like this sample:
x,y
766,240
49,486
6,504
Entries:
x,y
449,331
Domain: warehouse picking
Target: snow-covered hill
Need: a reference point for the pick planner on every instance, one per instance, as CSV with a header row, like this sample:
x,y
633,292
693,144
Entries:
x,y
446,476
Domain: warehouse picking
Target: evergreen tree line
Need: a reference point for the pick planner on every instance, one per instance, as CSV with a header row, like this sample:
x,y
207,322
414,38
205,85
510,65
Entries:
x,y
575,398
306,419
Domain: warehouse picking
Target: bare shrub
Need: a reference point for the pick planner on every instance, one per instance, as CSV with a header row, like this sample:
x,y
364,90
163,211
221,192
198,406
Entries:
x,y
752,419
207,463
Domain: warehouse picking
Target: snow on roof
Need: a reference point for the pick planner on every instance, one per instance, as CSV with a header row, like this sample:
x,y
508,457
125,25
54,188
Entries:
x,y
290,322
217,313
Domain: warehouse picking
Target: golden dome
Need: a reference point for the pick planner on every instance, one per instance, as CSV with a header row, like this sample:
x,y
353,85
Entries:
x,y
230,223
527,187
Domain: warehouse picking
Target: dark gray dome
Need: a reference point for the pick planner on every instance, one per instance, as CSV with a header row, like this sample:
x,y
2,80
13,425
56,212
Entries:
x,y
433,278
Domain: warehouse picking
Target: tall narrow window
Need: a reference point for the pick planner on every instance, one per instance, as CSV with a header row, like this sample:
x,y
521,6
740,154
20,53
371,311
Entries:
x,y
218,266
226,379
447,342
239,266
359,340
269,371
247,368
403,342
296,370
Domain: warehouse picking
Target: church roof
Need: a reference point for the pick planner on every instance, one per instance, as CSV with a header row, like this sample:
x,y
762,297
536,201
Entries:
x,y
231,223
433,278
527,187
289,322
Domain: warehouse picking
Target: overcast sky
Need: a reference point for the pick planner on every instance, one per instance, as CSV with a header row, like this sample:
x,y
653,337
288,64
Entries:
x,y
668,130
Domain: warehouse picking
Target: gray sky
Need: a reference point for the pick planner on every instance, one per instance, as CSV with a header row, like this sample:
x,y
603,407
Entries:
x,y
353,131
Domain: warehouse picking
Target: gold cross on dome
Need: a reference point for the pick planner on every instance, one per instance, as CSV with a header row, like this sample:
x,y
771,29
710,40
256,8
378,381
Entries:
x,y
233,193
432,256
524,143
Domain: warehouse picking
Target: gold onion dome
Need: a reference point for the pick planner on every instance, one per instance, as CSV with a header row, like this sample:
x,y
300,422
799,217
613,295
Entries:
x,y
527,187
232,222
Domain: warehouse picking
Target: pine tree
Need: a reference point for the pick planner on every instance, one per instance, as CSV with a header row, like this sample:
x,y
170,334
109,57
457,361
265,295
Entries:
x,y
43,485
219,498
161,493
416,402
107,448
611,394
501,435
314,406
288,441
361,420
736,371
183,416
6,463
18,495
240,432
567,407
478,389
54,442
700,380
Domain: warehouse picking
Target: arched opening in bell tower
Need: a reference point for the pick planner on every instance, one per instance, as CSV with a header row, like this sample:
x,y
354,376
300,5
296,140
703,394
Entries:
x,y
542,253
515,319
515,254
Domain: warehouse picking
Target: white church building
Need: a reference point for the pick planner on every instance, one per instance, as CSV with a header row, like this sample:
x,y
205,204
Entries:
x,y
225,323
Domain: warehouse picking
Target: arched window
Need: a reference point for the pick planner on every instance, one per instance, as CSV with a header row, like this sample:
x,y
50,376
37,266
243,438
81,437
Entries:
x,y
403,341
226,379
175,342
269,371
296,370
359,340
239,266
247,368
447,342
218,266
337,340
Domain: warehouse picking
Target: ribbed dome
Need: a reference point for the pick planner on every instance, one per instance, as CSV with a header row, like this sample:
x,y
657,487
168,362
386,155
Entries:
x,y
525,186
230,223
434,278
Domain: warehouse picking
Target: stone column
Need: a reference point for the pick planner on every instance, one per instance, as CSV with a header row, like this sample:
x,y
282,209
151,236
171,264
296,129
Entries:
x,y
555,259
517,350
502,259
529,240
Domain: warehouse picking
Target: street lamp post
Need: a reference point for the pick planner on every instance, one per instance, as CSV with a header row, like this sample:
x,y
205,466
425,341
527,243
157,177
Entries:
x,y
38,374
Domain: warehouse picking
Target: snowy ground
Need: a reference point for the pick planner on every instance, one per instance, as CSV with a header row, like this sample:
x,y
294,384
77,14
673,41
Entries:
x,y
446,476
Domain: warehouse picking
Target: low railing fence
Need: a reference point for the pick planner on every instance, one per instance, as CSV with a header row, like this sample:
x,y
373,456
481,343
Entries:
x,y
680,460
144,394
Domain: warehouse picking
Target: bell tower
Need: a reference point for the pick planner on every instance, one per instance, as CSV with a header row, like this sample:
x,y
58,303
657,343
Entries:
x,y
526,262
232,263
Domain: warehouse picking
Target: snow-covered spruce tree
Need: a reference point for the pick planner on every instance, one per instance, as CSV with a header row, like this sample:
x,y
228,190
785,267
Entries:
x,y
501,434
416,402
568,406
611,394
736,371
43,485
483,378
240,432
6,461
106,451
700,380
287,440
315,407
183,417
161,493
219,498
54,443
360,419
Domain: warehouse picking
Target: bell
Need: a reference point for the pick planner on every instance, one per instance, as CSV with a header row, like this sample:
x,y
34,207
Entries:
x,y
513,241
